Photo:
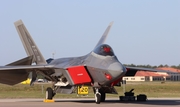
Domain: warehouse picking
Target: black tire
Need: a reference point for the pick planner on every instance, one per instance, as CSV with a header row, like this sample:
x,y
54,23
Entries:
x,y
103,96
141,97
49,93
97,98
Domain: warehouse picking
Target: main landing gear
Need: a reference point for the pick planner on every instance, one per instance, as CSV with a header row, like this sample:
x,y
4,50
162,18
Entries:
x,y
49,93
100,95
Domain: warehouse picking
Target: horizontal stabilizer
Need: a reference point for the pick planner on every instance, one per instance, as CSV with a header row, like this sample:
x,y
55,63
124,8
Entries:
x,y
12,75
11,78
24,61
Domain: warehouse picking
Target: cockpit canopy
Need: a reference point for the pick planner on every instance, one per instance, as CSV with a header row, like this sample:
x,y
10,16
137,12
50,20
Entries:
x,y
104,50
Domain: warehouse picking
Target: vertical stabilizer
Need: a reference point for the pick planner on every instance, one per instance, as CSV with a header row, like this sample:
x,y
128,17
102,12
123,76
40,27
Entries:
x,y
29,44
104,36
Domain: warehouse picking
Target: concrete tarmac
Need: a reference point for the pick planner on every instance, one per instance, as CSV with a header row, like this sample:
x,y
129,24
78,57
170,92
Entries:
x,y
89,102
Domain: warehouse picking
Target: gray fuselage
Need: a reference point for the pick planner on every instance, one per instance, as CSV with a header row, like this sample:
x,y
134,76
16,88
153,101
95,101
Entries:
x,y
102,68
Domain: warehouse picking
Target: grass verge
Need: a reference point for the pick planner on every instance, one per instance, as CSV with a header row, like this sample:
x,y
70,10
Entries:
x,y
151,89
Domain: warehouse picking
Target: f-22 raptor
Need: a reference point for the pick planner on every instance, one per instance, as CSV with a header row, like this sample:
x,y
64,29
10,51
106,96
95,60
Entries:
x,y
100,68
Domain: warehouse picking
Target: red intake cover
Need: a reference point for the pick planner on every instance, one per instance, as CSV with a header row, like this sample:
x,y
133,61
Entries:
x,y
79,75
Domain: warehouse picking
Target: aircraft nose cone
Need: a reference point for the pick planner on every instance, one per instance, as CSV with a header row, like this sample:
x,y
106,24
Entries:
x,y
116,69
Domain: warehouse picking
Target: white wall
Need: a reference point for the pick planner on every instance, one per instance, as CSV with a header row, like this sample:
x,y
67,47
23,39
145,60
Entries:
x,y
135,78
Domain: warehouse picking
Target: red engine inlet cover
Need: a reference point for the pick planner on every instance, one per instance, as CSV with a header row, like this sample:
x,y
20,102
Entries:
x,y
79,75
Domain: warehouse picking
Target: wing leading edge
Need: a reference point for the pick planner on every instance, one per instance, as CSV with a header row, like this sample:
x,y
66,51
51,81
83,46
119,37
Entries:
x,y
131,71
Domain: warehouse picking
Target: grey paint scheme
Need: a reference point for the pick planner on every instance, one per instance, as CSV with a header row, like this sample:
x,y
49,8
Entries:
x,y
29,44
104,36
97,65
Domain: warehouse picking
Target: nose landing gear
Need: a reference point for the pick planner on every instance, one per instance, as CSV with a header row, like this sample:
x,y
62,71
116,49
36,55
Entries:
x,y
97,96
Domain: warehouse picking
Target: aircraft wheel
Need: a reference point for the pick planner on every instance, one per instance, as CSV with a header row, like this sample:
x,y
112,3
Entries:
x,y
97,98
103,96
49,93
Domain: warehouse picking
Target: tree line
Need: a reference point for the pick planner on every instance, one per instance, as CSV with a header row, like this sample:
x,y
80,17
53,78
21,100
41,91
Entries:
x,y
149,66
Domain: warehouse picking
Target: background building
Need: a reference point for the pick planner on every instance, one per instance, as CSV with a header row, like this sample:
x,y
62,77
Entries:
x,y
155,76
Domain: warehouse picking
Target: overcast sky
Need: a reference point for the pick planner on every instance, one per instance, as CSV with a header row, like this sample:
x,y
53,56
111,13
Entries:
x,y
144,31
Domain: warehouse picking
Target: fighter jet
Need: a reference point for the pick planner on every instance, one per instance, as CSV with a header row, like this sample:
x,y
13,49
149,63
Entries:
x,y
100,68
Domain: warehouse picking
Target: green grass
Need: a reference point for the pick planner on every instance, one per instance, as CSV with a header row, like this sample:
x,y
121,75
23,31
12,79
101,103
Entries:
x,y
155,89
151,89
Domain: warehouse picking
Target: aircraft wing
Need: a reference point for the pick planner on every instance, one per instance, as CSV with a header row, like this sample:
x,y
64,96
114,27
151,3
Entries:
x,y
12,75
131,71
25,67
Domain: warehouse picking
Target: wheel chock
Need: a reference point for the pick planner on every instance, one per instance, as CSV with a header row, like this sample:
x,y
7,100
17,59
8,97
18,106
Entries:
x,y
48,101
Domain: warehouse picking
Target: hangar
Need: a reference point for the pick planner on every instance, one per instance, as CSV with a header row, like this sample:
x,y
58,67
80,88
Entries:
x,y
155,76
